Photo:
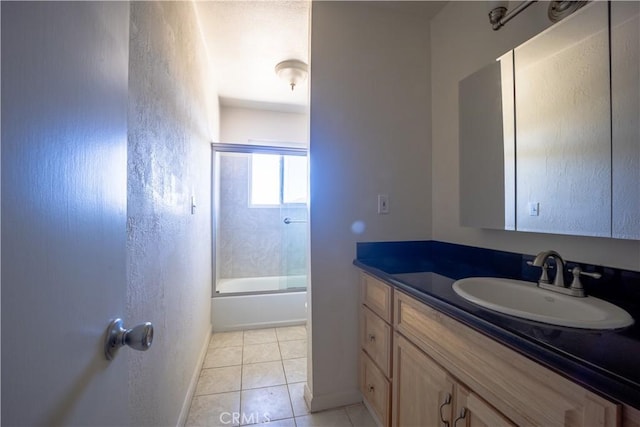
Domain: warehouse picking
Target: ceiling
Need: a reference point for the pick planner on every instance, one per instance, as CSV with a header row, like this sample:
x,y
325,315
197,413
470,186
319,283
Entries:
x,y
246,39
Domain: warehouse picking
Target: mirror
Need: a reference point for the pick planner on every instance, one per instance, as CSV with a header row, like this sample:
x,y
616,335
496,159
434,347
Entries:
x,y
487,159
625,110
549,136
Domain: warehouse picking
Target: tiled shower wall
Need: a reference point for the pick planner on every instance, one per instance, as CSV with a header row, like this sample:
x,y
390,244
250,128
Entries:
x,y
255,242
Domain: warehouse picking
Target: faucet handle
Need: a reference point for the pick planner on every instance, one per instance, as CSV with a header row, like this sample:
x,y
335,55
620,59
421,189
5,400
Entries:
x,y
576,285
544,277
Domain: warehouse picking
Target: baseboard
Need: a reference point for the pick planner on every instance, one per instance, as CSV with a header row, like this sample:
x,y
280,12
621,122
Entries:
x,y
372,413
260,325
329,401
184,412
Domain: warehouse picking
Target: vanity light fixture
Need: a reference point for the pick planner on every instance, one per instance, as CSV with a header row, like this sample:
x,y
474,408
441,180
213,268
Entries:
x,y
498,15
293,71
558,10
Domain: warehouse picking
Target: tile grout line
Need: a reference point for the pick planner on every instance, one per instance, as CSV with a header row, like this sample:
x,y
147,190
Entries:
x,y
241,374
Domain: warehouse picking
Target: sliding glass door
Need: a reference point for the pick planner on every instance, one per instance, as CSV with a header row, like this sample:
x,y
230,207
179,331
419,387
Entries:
x,y
261,219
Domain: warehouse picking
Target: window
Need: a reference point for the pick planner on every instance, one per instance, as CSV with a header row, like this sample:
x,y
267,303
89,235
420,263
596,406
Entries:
x,y
278,179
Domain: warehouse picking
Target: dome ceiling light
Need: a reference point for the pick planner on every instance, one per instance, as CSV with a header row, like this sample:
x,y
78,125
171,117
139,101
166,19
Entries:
x,y
293,71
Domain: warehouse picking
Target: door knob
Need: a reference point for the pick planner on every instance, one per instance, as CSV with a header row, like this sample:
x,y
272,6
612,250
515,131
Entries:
x,y
139,337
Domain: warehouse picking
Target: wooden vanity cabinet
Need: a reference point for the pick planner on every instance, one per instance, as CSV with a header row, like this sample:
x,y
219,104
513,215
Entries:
x,y
494,384
424,394
376,336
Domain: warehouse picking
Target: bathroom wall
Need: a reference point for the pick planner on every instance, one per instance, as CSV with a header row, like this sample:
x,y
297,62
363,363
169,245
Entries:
x,y
242,124
462,41
370,134
254,241
168,248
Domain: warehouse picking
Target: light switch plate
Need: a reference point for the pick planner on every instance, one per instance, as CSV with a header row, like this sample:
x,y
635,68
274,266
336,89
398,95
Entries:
x,y
383,204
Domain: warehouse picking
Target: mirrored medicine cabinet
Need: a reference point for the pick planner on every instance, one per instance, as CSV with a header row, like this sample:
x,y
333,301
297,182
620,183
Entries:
x,y
550,132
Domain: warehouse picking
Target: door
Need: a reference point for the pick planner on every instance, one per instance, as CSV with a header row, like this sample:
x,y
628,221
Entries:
x,y
64,145
294,214
422,390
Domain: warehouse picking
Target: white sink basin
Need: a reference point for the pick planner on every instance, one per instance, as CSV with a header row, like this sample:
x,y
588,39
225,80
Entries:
x,y
526,300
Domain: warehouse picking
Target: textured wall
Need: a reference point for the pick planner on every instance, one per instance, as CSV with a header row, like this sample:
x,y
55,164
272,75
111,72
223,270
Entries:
x,y
461,42
369,134
255,242
169,250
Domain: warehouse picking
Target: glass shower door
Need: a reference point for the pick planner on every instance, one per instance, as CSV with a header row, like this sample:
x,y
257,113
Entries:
x,y
294,214
260,219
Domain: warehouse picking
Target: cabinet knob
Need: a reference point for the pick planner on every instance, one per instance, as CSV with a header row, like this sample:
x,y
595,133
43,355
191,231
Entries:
x,y
371,388
372,338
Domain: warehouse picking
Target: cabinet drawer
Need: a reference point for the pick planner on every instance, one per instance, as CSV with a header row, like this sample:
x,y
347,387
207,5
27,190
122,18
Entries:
x,y
377,296
375,388
375,339
521,389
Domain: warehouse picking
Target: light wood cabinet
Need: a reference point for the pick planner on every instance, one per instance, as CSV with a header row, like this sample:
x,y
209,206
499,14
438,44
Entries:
x,y
422,390
419,367
424,394
472,411
375,388
376,346
499,383
375,339
376,295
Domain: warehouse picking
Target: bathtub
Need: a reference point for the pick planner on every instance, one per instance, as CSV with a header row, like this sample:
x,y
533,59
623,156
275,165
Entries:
x,y
260,284
234,311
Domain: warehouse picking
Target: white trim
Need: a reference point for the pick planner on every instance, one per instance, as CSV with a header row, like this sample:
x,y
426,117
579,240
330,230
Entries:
x,y
186,405
332,400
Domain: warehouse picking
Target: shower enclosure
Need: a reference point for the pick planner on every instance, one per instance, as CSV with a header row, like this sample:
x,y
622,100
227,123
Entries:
x,y
261,236
260,219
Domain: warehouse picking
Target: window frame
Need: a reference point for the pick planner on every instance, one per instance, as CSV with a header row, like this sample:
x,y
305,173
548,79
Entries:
x,y
274,150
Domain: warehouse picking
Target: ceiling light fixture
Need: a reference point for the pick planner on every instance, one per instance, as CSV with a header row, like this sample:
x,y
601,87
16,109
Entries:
x,y
293,71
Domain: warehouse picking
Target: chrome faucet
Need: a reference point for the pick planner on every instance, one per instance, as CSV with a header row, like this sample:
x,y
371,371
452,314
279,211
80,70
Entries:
x,y
541,261
576,289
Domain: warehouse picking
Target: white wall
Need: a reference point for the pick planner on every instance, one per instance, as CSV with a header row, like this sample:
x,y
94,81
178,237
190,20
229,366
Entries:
x,y
462,41
169,249
370,134
239,125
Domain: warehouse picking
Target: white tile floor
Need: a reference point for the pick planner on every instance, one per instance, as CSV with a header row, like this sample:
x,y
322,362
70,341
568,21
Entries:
x,y
258,376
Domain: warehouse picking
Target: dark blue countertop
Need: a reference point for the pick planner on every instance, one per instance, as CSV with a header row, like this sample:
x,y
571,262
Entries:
x,y
606,362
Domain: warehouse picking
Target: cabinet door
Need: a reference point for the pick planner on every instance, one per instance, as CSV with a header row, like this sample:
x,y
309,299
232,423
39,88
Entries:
x,y
472,411
422,391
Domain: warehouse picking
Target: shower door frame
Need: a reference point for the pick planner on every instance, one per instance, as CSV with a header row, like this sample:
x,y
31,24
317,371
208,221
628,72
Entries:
x,y
290,149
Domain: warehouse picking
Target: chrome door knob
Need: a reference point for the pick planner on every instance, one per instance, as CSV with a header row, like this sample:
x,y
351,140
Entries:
x,y
140,337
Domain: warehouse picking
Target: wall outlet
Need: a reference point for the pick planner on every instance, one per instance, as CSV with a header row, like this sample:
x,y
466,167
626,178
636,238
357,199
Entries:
x,y
383,204
534,208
